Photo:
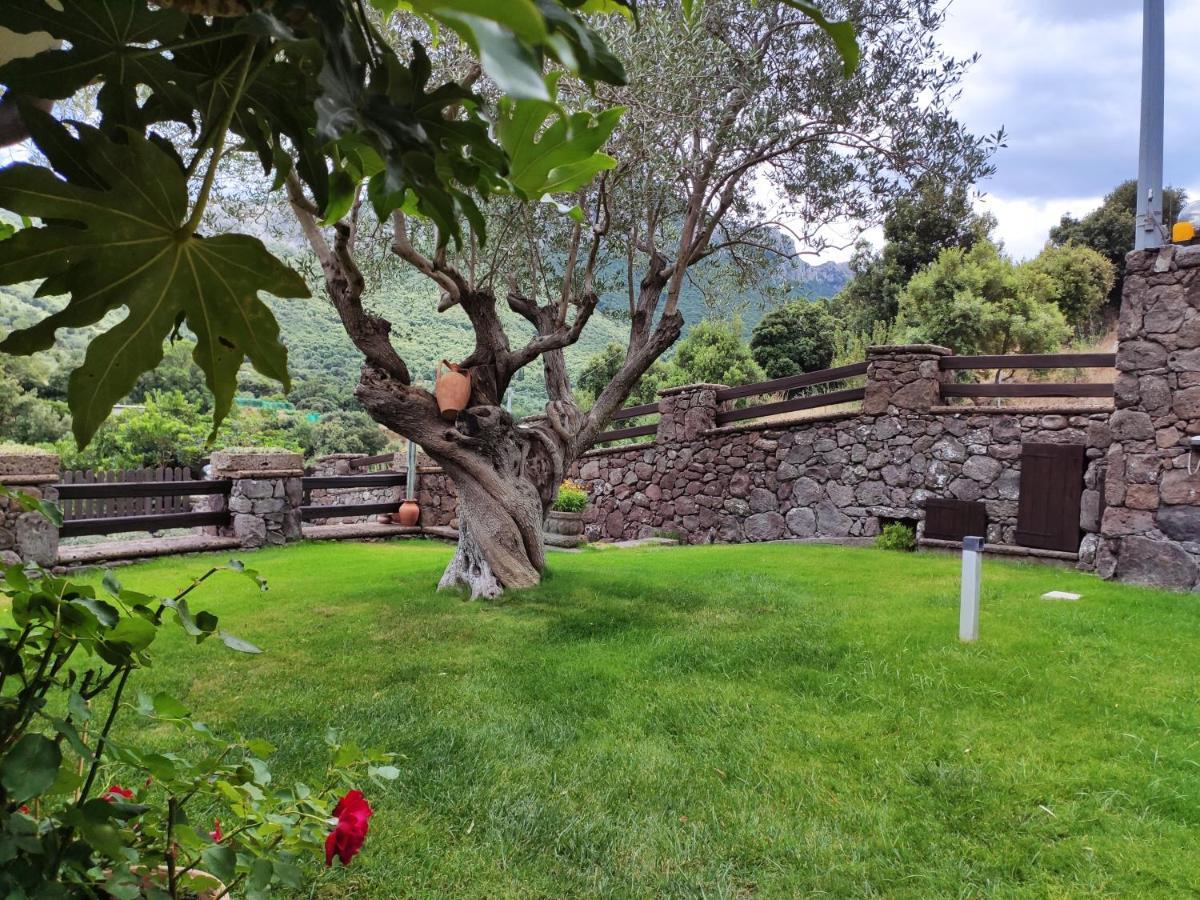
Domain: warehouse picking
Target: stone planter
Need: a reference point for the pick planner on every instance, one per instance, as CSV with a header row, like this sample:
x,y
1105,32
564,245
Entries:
x,y
567,524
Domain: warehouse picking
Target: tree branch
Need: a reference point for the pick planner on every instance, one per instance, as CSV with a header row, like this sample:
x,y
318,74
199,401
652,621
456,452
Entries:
x,y
345,286
453,285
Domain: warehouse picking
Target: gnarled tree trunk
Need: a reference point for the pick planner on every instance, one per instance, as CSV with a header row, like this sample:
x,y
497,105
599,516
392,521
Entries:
x,y
506,475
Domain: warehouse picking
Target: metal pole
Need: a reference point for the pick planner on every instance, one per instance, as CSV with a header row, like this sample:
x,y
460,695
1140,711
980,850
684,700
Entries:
x,y
410,475
972,577
1148,226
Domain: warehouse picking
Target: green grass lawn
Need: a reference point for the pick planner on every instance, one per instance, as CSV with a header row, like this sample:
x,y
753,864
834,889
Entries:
x,y
754,720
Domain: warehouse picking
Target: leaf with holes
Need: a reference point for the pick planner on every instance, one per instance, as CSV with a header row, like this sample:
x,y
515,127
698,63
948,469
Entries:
x,y
126,245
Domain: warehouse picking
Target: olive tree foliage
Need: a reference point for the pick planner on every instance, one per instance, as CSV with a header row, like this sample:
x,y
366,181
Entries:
x,y
736,119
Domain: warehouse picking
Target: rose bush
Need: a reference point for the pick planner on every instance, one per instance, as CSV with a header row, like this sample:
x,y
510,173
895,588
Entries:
x,y
67,654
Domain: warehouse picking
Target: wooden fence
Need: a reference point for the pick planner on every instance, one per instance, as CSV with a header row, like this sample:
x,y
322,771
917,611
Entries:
x,y
171,506
380,463
1026,388
631,412
107,505
802,386
791,383
309,512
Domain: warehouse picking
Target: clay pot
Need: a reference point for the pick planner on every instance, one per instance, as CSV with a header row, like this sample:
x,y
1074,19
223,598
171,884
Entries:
x,y
568,524
452,389
409,514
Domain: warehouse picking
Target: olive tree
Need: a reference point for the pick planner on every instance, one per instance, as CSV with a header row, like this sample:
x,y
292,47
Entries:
x,y
736,121
517,162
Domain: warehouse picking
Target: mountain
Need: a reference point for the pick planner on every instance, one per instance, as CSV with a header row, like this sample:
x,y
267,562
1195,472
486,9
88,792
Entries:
x,y
319,350
712,290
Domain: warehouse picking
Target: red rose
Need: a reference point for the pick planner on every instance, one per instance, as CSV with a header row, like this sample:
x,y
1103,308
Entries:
x,y
352,813
115,792
216,834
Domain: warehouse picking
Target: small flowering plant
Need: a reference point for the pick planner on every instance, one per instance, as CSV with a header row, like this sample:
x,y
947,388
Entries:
x,y
252,835
572,497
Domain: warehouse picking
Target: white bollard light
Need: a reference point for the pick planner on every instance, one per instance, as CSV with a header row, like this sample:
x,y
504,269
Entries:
x,y
972,572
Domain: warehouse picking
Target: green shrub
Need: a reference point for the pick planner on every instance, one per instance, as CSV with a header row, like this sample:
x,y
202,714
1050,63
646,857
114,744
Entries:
x,y
572,497
897,536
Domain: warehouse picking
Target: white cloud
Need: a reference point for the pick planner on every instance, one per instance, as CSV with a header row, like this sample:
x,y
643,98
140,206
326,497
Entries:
x,y
1023,224
1063,78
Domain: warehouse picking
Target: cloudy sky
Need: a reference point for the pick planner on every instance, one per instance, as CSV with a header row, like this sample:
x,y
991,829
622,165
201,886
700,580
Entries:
x,y
1063,78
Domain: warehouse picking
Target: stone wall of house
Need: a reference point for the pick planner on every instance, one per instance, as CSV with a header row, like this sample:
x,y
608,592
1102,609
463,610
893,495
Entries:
x,y
28,536
1151,525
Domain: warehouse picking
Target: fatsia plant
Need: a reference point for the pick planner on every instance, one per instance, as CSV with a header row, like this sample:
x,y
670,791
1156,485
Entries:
x,y
313,89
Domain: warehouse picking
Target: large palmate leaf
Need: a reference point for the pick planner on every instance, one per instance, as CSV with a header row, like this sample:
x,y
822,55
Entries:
x,y
107,42
513,38
125,244
557,158
278,101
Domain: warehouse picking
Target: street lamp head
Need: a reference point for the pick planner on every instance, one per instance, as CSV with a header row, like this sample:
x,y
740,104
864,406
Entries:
x,y
1187,227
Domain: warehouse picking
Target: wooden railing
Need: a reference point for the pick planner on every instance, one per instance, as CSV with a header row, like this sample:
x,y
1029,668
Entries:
x,y
1030,361
631,412
366,462
81,493
788,384
106,505
309,512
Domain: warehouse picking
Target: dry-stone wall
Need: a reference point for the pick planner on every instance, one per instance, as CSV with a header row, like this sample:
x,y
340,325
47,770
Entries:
x,y
840,476
339,464
28,536
264,502
435,494
1151,526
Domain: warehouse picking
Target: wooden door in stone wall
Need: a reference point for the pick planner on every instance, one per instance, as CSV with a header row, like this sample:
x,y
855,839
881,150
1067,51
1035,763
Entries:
x,y
1051,491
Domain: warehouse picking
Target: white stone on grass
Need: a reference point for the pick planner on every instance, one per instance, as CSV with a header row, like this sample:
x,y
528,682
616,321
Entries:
x,y
1060,595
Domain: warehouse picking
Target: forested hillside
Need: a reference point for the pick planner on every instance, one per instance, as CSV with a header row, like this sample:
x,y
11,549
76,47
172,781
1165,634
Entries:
x,y
320,351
